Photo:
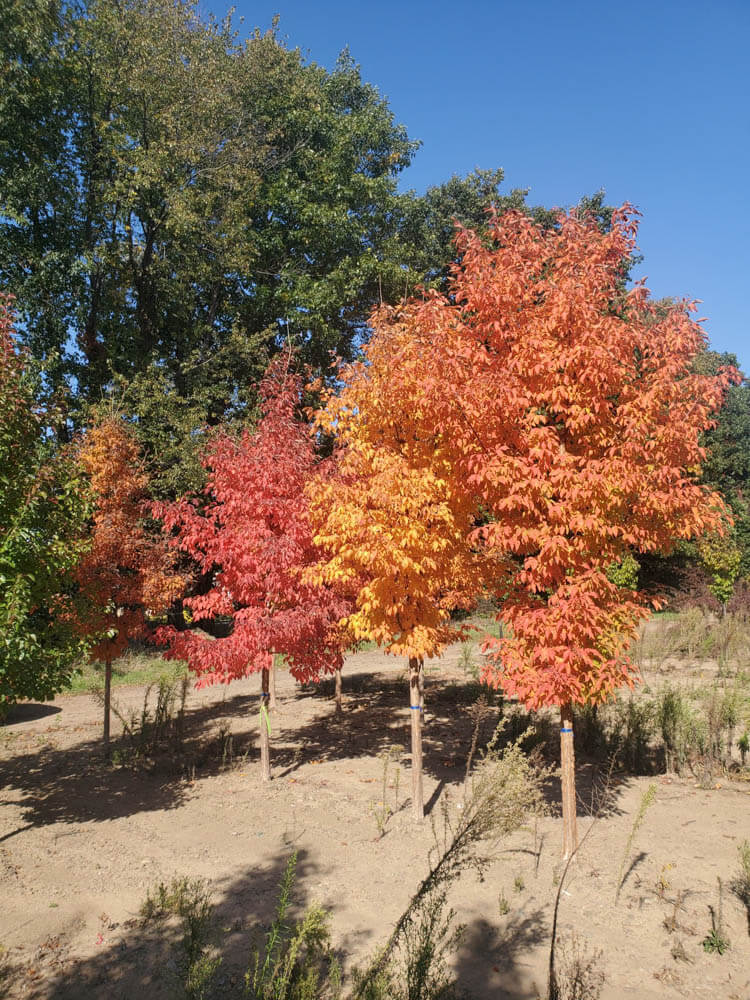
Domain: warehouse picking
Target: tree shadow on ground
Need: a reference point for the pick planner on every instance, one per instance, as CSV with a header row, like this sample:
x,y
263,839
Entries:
x,y
376,718
142,958
28,711
490,962
79,783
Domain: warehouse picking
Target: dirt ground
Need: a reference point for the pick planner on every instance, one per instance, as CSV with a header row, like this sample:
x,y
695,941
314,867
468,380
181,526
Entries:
x,y
82,842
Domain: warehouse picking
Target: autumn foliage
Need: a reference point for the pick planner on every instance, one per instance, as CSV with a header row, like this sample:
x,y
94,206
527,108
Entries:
x,y
392,520
569,413
522,434
128,572
251,534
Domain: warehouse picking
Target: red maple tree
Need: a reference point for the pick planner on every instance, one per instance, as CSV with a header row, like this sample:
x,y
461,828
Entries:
x,y
128,572
250,532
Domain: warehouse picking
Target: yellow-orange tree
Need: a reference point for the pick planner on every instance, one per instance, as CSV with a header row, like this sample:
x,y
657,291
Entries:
x,y
391,520
568,408
127,570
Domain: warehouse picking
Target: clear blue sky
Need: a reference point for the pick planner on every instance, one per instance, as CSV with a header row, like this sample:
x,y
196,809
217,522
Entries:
x,y
648,100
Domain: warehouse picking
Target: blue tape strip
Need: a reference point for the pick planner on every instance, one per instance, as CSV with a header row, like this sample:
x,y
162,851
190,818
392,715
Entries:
x,y
417,708
566,730
265,694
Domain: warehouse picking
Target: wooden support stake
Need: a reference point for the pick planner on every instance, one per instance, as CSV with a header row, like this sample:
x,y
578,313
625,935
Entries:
x,y
416,705
107,699
338,691
265,736
568,777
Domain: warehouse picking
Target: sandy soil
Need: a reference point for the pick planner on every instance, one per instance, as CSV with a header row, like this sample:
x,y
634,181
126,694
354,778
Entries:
x,y
81,843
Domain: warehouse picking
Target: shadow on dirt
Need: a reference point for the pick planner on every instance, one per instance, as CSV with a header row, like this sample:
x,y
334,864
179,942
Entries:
x,y
144,957
29,711
376,719
80,784
490,962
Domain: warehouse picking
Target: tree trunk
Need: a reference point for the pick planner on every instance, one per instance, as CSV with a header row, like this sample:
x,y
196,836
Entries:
x,y
265,725
107,699
272,686
416,704
337,694
568,777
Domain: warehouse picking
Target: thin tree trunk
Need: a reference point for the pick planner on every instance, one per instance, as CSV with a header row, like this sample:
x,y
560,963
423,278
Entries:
x,y
337,694
568,777
107,699
272,686
416,704
265,736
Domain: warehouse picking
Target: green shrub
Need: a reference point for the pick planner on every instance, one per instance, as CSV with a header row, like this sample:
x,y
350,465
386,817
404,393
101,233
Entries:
x,y
190,900
295,960
632,733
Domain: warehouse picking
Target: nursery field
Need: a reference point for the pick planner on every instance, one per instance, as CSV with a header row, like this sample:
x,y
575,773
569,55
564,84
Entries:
x,y
654,904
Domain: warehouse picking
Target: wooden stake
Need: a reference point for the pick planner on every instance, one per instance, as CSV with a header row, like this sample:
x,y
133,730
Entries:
x,y
265,736
416,704
107,699
338,691
568,777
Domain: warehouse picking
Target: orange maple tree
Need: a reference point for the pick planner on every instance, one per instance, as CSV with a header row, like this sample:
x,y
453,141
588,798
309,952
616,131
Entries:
x,y
394,526
128,572
566,407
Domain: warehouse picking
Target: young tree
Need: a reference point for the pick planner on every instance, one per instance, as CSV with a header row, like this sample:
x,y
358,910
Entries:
x,y
721,558
250,533
43,509
569,408
394,524
127,572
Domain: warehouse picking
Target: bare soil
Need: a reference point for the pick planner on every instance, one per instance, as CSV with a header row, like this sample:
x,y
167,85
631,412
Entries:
x,y
82,842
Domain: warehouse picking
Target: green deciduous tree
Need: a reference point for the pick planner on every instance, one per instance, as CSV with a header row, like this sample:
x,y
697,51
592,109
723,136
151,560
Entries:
x,y
727,465
176,202
43,508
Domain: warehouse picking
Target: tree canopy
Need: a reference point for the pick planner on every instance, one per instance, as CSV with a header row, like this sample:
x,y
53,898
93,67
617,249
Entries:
x,y
177,203
173,195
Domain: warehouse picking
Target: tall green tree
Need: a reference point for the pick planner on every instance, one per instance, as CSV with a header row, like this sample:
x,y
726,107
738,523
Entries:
x,y
172,196
43,510
727,465
176,203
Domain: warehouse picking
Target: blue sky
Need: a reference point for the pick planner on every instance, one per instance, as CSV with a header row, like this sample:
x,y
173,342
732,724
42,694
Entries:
x,y
648,100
